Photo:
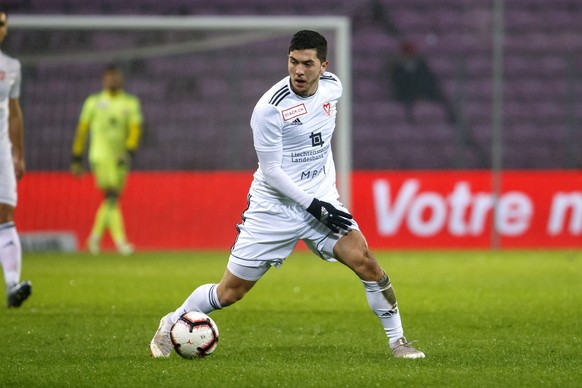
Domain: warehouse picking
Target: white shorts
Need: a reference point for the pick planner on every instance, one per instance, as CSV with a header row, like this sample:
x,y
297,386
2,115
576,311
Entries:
x,y
7,181
269,233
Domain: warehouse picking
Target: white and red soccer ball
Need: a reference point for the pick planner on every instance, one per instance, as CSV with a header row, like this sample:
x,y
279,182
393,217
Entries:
x,y
194,335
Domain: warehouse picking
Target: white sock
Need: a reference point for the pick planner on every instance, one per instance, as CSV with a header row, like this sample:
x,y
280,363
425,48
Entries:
x,y
203,299
383,303
10,253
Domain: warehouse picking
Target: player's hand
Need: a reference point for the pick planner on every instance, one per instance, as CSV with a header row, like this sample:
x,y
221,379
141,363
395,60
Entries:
x,y
77,166
331,217
125,161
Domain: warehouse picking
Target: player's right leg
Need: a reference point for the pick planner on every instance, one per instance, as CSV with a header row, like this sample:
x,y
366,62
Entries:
x,y
161,344
210,297
206,298
101,221
266,235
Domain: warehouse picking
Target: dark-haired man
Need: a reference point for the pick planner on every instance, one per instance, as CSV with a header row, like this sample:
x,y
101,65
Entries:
x,y
294,197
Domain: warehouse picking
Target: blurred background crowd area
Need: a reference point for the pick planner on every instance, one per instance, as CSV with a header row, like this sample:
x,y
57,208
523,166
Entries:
x,y
422,81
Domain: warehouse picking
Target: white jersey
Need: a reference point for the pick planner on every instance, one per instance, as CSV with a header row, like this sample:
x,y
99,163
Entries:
x,y
9,88
302,127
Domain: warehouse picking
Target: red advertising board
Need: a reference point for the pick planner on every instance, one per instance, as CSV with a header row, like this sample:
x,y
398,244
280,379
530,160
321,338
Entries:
x,y
454,209
395,209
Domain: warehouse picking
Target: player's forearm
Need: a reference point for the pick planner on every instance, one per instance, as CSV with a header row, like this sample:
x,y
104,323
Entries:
x,y
80,138
277,178
133,137
16,129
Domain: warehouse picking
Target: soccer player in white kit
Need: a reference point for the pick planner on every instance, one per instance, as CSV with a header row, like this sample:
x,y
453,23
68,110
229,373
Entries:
x,y
12,168
294,197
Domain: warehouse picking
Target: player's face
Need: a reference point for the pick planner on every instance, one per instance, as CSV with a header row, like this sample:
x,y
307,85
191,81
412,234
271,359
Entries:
x,y
3,26
113,80
304,70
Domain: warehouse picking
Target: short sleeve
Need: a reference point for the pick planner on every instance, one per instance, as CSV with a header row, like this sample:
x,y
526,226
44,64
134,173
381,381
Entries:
x,y
267,128
15,88
87,110
136,115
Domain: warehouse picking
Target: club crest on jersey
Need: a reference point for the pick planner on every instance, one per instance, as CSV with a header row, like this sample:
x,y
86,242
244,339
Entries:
x,y
294,111
2,75
327,108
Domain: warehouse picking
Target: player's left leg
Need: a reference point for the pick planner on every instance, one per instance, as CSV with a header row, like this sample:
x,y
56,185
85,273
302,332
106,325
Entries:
x,y
266,234
11,258
98,229
352,250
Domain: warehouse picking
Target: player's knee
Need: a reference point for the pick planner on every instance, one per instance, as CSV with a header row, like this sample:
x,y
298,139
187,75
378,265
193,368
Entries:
x,y
111,194
363,263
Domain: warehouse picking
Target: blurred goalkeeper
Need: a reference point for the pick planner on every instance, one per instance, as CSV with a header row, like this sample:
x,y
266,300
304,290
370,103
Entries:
x,y
294,197
114,119
12,169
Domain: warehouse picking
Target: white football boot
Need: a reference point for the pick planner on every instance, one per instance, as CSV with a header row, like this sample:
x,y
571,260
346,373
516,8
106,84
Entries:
x,y
125,248
93,245
161,345
403,349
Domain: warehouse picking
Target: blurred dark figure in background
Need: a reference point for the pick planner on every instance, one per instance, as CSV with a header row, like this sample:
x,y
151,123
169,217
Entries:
x,y
373,13
413,80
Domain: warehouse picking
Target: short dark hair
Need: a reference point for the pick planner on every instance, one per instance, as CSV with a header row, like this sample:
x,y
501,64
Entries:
x,y
112,67
306,39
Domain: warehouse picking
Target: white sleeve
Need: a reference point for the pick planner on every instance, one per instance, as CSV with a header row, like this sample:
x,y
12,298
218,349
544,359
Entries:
x,y
266,125
270,165
14,91
268,141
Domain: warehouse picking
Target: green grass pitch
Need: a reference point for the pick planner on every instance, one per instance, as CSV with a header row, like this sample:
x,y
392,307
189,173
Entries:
x,y
484,319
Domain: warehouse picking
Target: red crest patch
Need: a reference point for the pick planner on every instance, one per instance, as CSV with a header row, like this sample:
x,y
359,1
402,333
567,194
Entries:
x,y
327,108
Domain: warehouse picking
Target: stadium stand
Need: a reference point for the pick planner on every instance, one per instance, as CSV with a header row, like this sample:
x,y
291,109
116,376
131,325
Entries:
x,y
541,95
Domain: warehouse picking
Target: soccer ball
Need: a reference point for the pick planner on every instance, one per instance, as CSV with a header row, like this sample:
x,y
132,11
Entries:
x,y
194,335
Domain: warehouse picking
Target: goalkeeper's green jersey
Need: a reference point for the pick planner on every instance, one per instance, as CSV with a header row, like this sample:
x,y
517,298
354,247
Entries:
x,y
109,118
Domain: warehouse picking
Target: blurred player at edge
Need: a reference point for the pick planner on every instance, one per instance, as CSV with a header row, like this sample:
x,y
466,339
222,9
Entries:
x,y
113,118
12,168
294,197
